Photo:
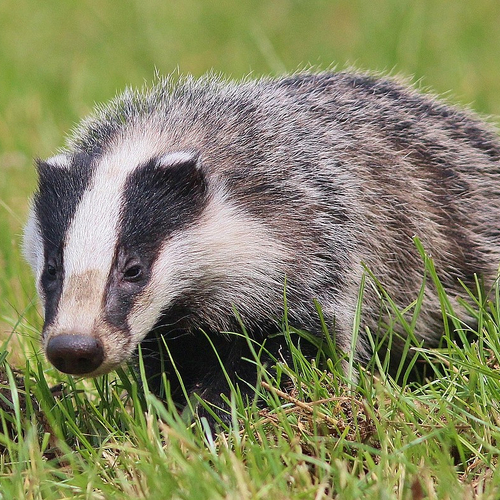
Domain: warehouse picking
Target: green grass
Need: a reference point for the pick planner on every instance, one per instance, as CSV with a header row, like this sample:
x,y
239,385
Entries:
x,y
316,439
102,439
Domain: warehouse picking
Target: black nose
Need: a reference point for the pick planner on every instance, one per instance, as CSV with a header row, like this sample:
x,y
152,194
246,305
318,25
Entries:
x,y
75,354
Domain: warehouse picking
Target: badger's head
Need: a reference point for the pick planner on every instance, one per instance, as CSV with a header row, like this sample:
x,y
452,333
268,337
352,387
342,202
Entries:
x,y
117,240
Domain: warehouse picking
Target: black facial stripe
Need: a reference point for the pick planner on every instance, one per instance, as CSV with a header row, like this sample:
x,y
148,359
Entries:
x,y
158,200
60,190
119,301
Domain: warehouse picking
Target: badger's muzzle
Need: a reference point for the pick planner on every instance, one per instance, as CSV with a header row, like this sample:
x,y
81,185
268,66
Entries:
x,y
75,354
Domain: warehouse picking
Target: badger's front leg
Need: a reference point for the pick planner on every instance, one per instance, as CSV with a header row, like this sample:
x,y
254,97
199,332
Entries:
x,y
208,365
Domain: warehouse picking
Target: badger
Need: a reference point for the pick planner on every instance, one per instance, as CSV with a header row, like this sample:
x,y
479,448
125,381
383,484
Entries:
x,y
182,211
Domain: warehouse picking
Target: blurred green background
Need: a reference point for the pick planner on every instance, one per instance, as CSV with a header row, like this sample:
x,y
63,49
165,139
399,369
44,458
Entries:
x,y
59,57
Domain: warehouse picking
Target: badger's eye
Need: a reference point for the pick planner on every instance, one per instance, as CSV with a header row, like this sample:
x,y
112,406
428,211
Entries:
x,y
133,273
51,271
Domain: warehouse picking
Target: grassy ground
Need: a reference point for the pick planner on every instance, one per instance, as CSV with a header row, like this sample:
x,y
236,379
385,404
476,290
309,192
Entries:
x,y
319,439
437,440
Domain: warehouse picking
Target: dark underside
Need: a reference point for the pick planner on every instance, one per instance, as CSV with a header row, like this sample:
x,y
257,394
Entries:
x,y
208,362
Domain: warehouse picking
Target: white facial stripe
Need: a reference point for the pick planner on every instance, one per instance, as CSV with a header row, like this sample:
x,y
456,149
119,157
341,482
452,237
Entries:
x,y
93,233
226,246
92,236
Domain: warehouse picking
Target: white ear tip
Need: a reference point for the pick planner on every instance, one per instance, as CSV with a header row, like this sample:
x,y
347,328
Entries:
x,y
178,157
60,160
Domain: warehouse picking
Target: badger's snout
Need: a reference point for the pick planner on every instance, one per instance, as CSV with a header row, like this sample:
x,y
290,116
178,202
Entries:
x,y
76,354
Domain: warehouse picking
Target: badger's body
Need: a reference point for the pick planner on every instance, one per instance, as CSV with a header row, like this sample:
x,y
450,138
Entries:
x,y
174,207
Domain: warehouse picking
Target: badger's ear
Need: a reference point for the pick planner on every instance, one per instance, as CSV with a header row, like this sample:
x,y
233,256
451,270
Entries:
x,y
180,158
60,161
184,169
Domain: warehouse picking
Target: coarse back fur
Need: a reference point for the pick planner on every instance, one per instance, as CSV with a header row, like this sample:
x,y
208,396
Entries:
x,y
216,192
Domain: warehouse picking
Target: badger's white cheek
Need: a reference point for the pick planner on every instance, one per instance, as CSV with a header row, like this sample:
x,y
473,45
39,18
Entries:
x,y
145,313
32,243
33,251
